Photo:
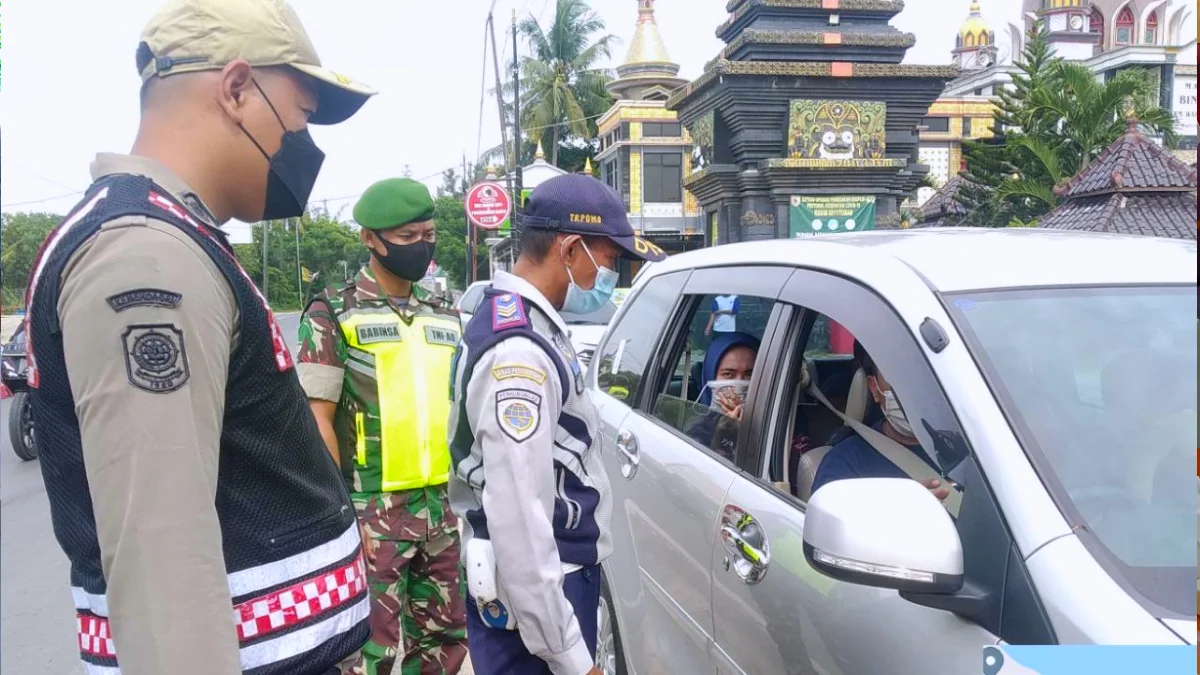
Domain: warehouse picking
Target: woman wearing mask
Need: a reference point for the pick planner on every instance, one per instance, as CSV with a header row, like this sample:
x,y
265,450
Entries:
x,y
728,367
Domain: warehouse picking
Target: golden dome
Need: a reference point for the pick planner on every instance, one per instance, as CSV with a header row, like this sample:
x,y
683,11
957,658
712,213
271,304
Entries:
x,y
647,45
975,31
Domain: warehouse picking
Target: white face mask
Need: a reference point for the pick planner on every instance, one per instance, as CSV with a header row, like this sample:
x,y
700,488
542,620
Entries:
x,y
739,388
895,414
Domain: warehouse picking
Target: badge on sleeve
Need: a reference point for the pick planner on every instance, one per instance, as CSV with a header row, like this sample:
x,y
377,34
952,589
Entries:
x,y
155,357
508,312
518,412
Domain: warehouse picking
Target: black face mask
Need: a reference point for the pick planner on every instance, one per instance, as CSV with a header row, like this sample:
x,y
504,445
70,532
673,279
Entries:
x,y
293,170
408,261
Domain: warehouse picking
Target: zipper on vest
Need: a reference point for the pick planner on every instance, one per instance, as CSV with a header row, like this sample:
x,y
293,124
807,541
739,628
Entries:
x,y
424,459
361,442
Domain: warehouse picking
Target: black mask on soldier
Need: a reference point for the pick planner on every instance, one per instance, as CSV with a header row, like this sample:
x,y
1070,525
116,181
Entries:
x,y
292,170
407,261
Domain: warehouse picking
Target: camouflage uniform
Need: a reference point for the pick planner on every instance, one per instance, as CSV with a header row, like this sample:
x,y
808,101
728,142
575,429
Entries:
x,y
416,589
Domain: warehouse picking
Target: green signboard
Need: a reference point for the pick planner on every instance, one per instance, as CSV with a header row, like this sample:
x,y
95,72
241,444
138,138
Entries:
x,y
825,214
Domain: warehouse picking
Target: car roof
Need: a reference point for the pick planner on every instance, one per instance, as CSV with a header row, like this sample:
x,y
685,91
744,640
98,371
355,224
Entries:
x,y
966,258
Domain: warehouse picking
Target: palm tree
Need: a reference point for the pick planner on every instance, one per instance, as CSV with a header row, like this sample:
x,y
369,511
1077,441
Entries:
x,y
562,88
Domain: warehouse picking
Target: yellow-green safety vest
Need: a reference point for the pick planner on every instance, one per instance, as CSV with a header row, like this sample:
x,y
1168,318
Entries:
x,y
412,369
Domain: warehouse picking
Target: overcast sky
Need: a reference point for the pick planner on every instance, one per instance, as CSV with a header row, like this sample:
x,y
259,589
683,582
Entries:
x,y
70,88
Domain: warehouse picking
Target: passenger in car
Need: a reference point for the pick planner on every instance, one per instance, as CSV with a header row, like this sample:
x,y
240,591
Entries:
x,y
728,367
854,457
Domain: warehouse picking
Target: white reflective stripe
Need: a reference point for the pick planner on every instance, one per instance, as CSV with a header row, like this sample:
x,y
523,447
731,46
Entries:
x,y
296,567
96,604
93,669
306,639
62,231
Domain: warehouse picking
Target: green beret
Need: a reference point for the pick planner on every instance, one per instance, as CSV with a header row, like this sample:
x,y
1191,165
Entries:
x,y
393,202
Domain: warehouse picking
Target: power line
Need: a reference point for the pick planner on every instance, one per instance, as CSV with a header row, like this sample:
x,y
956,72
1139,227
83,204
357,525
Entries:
x,y
41,201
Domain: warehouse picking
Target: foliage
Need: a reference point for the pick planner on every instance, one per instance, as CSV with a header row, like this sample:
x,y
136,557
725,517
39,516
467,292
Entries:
x,y
1050,125
563,89
451,220
21,235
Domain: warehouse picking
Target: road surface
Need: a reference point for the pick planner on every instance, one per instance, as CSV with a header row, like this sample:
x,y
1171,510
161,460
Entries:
x,y
37,617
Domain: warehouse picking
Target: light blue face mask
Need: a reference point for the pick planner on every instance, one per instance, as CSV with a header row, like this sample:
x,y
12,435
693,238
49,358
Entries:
x,y
580,301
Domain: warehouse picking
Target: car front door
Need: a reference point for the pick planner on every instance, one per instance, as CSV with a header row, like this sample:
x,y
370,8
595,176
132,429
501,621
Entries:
x,y
667,486
773,612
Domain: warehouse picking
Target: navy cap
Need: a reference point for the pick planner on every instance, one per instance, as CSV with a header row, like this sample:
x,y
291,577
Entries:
x,y
578,204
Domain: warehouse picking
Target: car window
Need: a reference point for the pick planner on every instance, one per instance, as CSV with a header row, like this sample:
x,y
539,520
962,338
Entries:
x,y
630,343
1100,386
712,369
470,299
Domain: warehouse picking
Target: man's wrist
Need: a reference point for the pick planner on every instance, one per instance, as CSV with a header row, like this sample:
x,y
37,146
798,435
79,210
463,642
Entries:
x,y
575,661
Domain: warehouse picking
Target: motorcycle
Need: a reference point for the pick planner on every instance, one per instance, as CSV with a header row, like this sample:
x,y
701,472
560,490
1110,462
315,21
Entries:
x,y
14,385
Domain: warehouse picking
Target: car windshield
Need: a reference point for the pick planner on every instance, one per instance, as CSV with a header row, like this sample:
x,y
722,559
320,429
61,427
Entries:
x,y
1100,387
470,299
600,317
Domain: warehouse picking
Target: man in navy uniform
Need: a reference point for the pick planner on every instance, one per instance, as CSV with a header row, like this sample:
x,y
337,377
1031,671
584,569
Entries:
x,y
527,477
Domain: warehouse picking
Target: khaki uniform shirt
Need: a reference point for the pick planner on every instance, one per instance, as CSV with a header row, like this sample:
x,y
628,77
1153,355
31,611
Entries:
x,y
151,459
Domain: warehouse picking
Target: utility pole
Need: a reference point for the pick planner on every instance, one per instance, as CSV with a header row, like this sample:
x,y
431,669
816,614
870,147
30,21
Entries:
x,y
299,273
266,262
510,160
516,194
470,230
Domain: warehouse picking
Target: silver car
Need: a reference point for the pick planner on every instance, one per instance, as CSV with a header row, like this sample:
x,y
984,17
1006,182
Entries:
x,y
1049,378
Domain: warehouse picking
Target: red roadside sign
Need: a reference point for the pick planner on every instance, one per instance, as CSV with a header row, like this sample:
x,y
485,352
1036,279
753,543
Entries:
x,y
488,205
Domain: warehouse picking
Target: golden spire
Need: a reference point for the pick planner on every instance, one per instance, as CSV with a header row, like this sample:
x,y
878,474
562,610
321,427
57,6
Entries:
x,y
975,29
587,166
647,45
541,154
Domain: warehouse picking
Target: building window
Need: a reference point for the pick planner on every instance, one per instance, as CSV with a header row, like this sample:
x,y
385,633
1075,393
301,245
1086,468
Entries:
x,y
663,177
1151,28
624,177
966,127
1125,27
937,124
661,130
1096,24
611,179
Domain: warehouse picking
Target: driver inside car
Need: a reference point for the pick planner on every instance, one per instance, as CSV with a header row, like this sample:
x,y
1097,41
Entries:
x,y
855,458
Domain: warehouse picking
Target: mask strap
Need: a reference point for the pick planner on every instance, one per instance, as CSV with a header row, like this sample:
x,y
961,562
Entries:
x,y
273,111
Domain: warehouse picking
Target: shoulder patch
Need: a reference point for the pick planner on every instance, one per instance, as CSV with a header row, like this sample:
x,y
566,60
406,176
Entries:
x,y
508,312
436,335
518,371
144,297
518,412
155,357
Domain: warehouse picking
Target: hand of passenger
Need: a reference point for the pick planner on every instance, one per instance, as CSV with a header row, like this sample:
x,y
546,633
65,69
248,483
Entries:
x,y
937,488
731,405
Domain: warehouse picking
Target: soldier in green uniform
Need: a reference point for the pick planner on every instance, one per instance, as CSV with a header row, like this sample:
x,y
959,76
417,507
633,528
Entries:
x,y
375,360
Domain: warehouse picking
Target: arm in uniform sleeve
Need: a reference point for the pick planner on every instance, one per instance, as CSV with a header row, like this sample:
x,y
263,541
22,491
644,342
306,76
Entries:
x,y
151,440
515,377
321,359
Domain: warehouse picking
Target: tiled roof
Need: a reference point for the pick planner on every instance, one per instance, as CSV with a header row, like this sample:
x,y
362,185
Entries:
x,y
943,203
1133,164
1170,214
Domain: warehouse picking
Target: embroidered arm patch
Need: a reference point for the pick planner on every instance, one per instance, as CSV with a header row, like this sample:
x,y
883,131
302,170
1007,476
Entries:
x,y
518,371
508,312
518,412
144,297
155,357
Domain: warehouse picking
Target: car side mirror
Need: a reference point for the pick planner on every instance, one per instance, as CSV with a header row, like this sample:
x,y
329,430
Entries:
x,y
883,532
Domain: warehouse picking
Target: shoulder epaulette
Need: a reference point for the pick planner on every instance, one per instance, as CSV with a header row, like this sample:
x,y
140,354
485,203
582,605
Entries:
x,y
508,312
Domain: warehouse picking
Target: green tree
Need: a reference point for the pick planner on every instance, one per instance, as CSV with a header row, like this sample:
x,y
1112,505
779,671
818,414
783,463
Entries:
x,y
21,236
451,220
562,86
1054,121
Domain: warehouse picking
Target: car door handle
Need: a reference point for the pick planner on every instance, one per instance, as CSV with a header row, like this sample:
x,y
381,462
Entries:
x,y
746,546
627,446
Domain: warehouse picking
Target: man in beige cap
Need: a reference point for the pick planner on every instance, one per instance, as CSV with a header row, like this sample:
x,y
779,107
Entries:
x,y
208,529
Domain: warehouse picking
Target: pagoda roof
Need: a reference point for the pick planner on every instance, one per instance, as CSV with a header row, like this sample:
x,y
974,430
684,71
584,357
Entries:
x,y
944,205
1171,214
1133,164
